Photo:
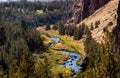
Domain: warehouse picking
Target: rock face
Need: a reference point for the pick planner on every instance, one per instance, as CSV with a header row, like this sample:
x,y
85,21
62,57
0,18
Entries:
x,y
118,24
84,8
116,30
118,21
107,17
118,12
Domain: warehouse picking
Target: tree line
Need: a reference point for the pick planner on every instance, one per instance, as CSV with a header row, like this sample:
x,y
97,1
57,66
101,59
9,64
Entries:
x,y
78,32
17,44
24,10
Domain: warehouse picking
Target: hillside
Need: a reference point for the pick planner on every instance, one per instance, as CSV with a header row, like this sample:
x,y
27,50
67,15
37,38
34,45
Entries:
x,y
106,15
82,9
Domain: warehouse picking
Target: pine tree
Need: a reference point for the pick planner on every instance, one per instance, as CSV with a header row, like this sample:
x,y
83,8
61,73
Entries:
x,y
23,68
24,25
92,27
76,34
61,28
2,34
79,32
27,65
43,69
54,27
47,27
97,23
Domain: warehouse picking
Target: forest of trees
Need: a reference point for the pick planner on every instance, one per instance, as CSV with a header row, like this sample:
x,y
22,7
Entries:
x,y
35,13
19,41
16,49
72,30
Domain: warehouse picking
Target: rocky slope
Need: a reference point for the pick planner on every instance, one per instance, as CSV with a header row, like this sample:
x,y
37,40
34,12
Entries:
x,y
106,15
84,8
116,30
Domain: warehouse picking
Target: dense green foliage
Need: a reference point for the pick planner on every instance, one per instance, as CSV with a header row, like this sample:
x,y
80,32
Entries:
x,y
35,13
2,34
61,28
16,46
23,55
72,30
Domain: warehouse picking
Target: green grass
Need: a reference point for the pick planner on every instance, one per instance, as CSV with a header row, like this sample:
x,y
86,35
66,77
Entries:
x,y
61,46
46,40
39,11
71,43
60,70
55,57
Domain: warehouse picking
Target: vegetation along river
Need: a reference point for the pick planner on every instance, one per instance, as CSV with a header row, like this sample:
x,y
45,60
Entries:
x,y
71,63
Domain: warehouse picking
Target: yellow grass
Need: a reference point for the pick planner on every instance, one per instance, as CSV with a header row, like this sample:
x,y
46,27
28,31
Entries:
x,y
56,58
39,11
77,45
56,70
61,46
46,40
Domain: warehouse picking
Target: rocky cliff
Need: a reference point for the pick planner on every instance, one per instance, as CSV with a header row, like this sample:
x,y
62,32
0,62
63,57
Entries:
x,y
84,8
116,30
107,17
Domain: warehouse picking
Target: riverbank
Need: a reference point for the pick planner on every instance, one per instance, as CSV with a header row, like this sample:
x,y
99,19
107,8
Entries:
x,y
78,46
56,60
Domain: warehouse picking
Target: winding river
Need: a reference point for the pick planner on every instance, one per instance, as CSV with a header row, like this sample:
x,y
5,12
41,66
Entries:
x,y
71,63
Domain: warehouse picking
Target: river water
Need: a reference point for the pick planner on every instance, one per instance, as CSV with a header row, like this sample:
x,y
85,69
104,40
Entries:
x,y
71,63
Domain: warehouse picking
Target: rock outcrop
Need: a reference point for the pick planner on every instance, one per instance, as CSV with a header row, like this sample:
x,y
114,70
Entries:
x,y
84,8
107,17
116,30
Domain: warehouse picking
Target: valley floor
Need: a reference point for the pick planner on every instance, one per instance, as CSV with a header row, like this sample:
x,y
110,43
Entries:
x,y
77,46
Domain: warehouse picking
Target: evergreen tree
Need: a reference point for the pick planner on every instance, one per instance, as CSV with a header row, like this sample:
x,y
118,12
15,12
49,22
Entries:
x,y
101,61
55,27
97,24
76,34
71,30
92,27
33,38
27,65
23,69
61,28
24,25
43,69
79,32
47,27
2,34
